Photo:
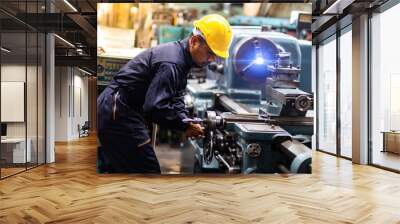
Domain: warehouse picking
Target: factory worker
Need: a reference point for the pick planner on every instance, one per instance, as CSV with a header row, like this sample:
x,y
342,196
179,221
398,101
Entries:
x,y
150,87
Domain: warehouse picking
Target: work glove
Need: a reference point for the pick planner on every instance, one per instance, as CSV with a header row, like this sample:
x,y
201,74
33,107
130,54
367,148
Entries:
x,y
194,131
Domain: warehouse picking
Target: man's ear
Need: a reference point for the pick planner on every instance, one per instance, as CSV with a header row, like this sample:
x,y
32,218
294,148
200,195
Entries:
x,y
195,41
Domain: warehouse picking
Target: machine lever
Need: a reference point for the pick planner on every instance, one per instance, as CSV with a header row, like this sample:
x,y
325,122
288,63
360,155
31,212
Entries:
x,y
231,169
194,120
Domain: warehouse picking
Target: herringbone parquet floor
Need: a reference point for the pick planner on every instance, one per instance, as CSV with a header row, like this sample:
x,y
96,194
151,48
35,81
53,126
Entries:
x,y
70,191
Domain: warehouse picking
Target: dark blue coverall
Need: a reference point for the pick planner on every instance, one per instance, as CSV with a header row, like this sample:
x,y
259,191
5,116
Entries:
x,y
149,87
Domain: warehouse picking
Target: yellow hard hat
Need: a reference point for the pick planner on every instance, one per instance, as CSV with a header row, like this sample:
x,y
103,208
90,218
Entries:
x,y
217,33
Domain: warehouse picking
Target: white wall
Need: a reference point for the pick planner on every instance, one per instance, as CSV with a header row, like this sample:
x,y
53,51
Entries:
x,y
61,103
33,126
12,73
71,94
81,104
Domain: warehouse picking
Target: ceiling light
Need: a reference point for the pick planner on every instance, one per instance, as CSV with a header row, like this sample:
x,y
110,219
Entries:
x,y
65,41
337,7
5,50
70,5
86,72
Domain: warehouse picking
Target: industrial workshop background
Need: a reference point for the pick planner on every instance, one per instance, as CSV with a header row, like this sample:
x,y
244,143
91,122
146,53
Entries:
x,y
267,33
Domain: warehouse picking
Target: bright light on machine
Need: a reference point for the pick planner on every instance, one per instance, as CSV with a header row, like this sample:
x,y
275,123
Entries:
x,y
259,61
259,54
252,57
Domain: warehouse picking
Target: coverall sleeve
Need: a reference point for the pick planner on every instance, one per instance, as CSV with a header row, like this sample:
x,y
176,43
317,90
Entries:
x,y
164,98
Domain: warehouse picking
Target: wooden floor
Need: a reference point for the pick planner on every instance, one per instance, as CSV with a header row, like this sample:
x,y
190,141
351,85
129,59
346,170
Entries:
x,y
70,191
386,159
10,171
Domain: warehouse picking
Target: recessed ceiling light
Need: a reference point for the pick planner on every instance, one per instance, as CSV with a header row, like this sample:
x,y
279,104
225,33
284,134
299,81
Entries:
x,y
70,5
5,50
64,40
84,71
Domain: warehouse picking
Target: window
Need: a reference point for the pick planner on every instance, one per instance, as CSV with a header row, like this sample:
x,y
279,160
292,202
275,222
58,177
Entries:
x,y
346,92
22,77
327,96
385,89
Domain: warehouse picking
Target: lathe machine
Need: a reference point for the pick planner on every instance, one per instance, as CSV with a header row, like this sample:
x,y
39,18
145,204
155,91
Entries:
x,y
257,119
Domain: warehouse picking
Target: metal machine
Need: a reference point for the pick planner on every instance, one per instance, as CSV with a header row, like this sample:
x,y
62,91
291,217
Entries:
x,y
256,119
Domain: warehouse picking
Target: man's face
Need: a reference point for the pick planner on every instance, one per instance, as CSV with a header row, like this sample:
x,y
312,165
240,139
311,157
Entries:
x,y
200,52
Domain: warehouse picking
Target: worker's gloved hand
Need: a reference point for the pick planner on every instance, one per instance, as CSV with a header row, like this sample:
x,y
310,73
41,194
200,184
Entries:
x,y
194,131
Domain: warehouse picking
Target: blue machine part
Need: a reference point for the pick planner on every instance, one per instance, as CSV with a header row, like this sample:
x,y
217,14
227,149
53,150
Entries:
x,y
168,33
249,46
245,96
256,152
187,31
305,73
252,56
249,87
202,96
236,143
253,136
